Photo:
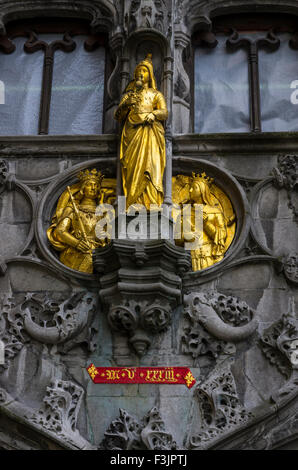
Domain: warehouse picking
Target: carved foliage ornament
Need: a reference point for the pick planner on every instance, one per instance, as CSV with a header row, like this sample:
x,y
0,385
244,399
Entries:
x,y
220,409
45,320
126,433
60,409
279,343
197,342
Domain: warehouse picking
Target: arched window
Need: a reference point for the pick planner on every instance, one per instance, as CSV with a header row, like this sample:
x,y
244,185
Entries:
x,y
54,77
245,74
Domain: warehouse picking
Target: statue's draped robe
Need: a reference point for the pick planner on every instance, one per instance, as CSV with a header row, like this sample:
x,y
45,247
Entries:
x,y
69,255
212,247
142,149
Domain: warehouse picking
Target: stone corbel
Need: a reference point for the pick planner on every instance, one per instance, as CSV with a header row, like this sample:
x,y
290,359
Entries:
x,y
140,285
140,320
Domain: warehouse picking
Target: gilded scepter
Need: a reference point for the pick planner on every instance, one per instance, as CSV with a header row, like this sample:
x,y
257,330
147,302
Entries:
x,y
78,216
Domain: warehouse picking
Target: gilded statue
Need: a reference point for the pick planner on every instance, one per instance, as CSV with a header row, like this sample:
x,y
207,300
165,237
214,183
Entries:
x,y
72,231
218,219
142,110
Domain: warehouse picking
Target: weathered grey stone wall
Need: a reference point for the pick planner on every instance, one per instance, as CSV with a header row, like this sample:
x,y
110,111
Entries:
x,y
235,324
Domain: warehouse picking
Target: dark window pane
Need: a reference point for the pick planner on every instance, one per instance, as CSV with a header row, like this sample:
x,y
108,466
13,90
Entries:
x,y
21,74
221,90
277,71
78,89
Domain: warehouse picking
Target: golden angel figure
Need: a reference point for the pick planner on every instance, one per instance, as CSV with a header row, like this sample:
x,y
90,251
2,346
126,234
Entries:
x,y
142,149
218,219
73,226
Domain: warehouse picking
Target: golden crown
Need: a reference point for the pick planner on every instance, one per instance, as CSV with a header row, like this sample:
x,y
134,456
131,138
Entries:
x,y
203,178
90,175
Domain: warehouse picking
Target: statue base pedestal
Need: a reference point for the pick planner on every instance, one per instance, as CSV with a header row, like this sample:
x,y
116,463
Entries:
x,y
140,279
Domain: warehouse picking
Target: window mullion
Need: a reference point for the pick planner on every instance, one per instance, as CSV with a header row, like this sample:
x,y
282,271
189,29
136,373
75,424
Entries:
x,y
271,42
33,45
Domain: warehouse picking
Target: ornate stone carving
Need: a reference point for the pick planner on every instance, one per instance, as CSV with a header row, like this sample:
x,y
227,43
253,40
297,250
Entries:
x,y
139,317
154,435
279,343
267,437
7,180
46,321
220,409
286,176
140,301
181,78
3,174
286,173
225,317
179,11
290,267
114,84
11,331
122,434
126,433
198,342
231,310
153,14
60,409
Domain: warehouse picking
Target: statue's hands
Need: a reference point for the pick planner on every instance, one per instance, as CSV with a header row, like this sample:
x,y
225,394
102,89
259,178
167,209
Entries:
x,y
150,118
83,246
131,100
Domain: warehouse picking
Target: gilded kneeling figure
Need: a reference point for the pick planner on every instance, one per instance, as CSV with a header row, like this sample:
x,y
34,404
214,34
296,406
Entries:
x,y
218,219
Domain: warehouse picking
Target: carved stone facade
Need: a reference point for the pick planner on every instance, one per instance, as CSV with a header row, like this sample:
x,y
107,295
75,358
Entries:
x,y
233,324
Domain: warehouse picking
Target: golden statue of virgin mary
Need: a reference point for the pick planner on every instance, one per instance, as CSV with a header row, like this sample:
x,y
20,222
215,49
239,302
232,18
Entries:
x,y
142,148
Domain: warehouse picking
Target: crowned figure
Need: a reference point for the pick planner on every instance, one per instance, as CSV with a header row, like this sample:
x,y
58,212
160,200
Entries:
x,y
72,232
142,149
212,244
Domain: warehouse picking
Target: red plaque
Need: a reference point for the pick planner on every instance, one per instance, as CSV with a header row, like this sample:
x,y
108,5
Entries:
x,y
141,375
